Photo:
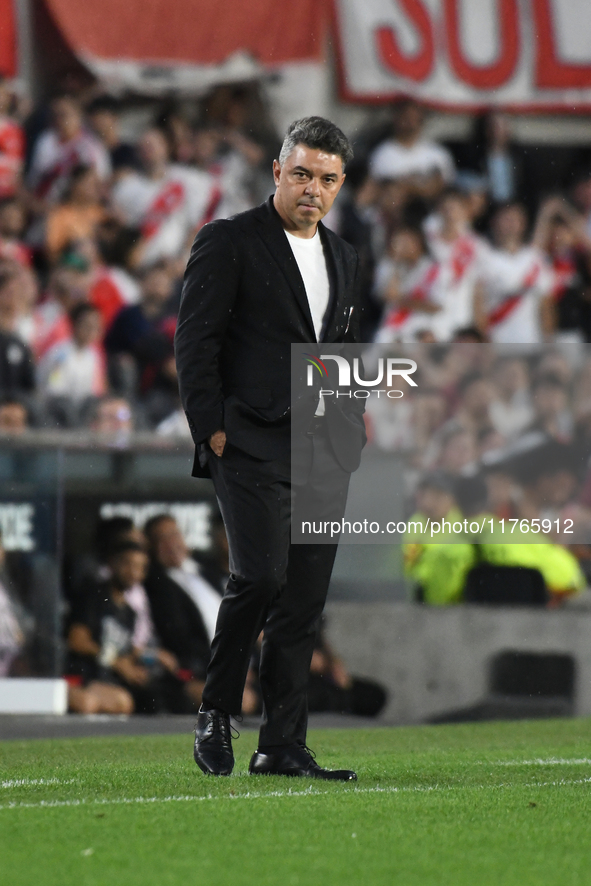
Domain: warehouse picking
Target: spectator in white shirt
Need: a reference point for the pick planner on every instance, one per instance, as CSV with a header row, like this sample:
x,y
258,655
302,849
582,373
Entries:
x,y
404,280
168,202
76,367
61,148
424,165
459,253
518,282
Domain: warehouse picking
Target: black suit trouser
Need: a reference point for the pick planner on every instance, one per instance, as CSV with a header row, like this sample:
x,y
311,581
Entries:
x,y
275,586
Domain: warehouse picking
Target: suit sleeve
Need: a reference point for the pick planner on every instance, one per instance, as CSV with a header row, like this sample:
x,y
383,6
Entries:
x,y
209,293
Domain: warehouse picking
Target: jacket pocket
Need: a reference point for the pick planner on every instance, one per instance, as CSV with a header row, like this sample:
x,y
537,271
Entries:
x,y
257,397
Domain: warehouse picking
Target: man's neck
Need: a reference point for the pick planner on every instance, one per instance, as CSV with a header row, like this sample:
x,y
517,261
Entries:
x,y
156,173
408,141
512,246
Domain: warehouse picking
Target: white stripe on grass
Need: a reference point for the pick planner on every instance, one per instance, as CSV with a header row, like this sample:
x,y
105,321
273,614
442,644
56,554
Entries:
x,y
551,761
264,795
32,782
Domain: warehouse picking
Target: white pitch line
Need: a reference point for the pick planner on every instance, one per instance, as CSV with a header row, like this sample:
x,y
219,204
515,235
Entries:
x,y
552,761
263,795
31,782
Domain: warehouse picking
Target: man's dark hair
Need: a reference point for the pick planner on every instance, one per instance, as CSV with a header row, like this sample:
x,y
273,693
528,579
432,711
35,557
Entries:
x,y
80,310
104,103
124,547
108,533
152,524
319,133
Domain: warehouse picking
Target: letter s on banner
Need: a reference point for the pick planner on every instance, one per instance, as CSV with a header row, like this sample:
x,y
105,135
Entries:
x,y
485,76
551,72
415,67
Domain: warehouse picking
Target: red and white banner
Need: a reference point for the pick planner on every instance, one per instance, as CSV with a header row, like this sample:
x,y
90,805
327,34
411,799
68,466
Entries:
x,y
518,54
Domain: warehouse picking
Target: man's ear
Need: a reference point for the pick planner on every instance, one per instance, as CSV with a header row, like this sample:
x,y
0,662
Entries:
x,y
276,171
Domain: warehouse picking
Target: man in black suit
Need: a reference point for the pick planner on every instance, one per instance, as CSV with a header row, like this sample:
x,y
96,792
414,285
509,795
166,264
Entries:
x,y
254,284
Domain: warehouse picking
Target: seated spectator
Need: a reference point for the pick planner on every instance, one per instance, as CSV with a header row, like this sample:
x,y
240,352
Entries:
x,y
17,372
13,224
76,368
511,410
114,285
78,215
12,631
438,569
12,145
561,234
112,418
93,568
103,114
114,676
551,408
60,149
167,202
517,283
184,606
14,416
424,166
17,295
144,332
476,394
68,286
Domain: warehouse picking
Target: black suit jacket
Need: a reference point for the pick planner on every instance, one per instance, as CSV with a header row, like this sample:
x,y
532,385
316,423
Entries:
x,y
177,620
243,304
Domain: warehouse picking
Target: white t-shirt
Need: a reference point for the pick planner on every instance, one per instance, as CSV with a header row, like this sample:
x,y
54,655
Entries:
x,y
167,209
403,324
392,160
54,160
515,284
461,267
309,254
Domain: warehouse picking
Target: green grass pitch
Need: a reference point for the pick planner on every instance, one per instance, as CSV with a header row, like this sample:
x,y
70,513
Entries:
x,y
470,805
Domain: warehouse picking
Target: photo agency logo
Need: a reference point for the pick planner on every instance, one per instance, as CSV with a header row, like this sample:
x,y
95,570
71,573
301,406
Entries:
x,y
349,371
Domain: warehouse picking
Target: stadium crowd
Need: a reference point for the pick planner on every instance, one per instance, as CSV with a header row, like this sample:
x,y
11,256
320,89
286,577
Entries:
x,y
95,232
456,248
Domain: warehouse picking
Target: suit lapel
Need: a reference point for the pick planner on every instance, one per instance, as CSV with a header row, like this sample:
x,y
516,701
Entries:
x,y
336,274
273,236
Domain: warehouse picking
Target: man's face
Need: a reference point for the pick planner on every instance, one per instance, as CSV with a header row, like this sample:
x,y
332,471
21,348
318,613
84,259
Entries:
x,y
114,416
509,224
67,118
408,120
169,545
13,418
104,123
307,185
129,569
153,149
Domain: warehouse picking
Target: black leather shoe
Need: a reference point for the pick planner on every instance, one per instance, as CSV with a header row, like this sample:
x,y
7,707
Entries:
x,y
213,743
296,760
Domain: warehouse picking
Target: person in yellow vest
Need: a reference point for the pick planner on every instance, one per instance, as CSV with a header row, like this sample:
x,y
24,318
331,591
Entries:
x,y
439,569
502,545
436,558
